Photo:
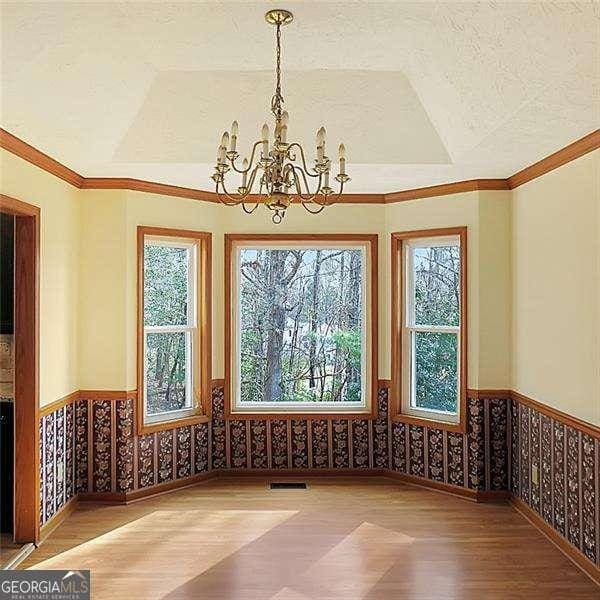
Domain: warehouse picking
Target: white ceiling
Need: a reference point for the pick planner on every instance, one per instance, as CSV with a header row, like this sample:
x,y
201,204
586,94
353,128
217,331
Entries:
x,y
420,92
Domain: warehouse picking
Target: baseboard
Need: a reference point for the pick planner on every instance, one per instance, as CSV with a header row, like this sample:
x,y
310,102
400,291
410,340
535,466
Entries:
x,y
169,486
430,484
572,553
164,488
57,518
16,560
144,493
493,496
102,497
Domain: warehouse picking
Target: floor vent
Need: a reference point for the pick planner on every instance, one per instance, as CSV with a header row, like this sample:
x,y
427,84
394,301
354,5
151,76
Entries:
x,y
288,485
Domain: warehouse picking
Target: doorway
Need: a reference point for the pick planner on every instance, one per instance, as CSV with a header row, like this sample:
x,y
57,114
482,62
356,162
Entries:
x,y
7,250
24,221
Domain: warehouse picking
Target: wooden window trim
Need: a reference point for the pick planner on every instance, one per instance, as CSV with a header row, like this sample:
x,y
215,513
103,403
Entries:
x,y
203,242
397,324
232,239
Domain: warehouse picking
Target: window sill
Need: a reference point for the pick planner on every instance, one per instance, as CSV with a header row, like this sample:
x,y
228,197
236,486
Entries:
x,y
145,428
272,415
459,427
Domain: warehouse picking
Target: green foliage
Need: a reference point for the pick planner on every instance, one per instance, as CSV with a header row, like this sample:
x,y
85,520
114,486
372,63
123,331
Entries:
x,y
436,302
436,370
349,342
165,303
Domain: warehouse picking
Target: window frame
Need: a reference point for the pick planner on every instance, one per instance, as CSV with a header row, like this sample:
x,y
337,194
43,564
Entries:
x,y
402,360
198,325
368,409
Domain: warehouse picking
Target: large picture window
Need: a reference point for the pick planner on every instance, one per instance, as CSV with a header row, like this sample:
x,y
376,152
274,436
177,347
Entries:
x,y
301,323
174,325
429,370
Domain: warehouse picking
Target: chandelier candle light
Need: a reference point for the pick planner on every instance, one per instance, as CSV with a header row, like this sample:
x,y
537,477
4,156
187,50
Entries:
x,y
277,168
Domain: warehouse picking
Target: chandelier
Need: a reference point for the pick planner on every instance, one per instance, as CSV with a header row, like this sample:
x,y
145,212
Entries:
x,y
277,168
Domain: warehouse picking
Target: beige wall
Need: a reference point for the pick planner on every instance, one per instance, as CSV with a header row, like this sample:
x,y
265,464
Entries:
x,y
556,288
534,277
102,292
59,270
487,218
177,213
494,327
109,299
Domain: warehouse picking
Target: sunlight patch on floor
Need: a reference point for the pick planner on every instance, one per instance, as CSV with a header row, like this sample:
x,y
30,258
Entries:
x,y
184,543
352,567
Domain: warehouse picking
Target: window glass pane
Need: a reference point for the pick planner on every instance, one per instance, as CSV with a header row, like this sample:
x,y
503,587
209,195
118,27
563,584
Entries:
x,y
436,375
167,360
165,285
301,324
436,272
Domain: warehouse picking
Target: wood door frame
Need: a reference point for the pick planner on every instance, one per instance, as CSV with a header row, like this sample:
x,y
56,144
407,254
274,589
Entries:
x,y
26,503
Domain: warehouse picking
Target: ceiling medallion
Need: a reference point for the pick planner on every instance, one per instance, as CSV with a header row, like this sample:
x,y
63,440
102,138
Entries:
x,y
277,168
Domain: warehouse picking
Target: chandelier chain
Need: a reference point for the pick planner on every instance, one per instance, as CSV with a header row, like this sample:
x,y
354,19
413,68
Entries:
x,y
277,98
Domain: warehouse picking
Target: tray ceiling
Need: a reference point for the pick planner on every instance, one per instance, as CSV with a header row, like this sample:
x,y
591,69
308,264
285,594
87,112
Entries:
x,y
421,93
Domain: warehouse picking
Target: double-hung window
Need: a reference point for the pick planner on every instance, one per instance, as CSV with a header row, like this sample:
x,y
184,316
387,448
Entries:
x,y
430,328
173,325
301,323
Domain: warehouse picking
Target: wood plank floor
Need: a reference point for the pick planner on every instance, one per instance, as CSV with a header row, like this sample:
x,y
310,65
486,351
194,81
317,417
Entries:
x,y
342,539
8,549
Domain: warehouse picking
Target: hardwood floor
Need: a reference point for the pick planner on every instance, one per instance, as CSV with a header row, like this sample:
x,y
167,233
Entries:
x,y
8,549
350,539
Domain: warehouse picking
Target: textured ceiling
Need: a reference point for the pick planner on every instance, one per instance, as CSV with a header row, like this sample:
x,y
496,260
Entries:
x,y
421,93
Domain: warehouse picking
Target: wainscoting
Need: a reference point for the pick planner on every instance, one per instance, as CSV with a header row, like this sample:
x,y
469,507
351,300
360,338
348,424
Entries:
x,y
90,449
566,494
59,465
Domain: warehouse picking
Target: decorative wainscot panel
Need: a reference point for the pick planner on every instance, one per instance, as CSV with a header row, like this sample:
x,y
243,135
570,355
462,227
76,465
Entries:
x,y
58,468
555,471
312,443
476,460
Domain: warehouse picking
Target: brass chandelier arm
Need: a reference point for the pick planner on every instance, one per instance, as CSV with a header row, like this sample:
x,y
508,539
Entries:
x,y
313,197
249,210
309,197
307,170
250,161
233,201
310,210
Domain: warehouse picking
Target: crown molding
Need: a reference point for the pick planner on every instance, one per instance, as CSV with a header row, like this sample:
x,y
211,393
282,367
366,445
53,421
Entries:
x,y
36,157
27,152
444,189
150,187
578,148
